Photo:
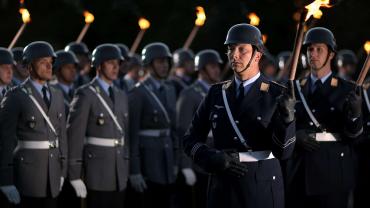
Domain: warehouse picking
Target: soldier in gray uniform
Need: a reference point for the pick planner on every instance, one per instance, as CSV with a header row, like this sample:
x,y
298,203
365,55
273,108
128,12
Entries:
x,y
65,69
97,134
207,64
33,134
20,73
83,55
152,120
6,70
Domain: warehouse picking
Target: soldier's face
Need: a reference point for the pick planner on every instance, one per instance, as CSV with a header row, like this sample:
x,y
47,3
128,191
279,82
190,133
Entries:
x,y
68,73
317,54
189,67
239,56
6,74
161,67
42,68
84,63
213,72
21,71
109,70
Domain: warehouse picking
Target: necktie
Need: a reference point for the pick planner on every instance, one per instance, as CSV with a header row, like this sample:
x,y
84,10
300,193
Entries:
x,y
240,96
71,93
44,96
111,95
317,86
3,91
162,94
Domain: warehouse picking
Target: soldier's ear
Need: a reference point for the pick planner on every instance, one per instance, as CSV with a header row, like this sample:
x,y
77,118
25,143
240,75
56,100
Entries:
x,y
258,56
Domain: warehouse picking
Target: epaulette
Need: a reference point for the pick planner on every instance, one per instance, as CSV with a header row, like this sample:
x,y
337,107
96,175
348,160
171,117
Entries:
x,y
334,82
366,85
303,82
224,84
264,86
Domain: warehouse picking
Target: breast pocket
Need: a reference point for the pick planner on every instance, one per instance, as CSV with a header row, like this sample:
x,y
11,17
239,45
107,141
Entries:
x,y
218,117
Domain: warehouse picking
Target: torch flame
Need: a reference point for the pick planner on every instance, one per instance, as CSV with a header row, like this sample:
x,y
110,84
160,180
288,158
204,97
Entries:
x,y
264,38
255,20
314,8
89,18
367,46
143,23
26,17
201,16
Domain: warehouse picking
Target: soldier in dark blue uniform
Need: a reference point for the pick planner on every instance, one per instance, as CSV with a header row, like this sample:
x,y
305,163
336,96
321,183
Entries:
x,y
253,126
328,116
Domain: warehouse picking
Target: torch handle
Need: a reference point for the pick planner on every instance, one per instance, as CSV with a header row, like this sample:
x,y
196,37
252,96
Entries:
x,y
16,37
296,50
137,41
364,70
191,37
83,32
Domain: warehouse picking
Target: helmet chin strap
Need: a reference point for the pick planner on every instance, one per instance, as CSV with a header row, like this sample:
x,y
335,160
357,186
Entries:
x,y
250,61
326,60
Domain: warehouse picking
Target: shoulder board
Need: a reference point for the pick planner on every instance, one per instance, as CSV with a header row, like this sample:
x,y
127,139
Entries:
x,y
303,82
264,87
334,82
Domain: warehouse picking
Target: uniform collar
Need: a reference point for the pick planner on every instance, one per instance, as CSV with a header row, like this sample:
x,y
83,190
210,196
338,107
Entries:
x,y
104,84
204,84
323,79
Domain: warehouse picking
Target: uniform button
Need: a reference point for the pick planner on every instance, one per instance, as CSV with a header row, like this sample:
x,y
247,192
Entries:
x,y
332,108
311,124
237,122
215,116
313,110
342,154
51,155
89,156
235,138
33,117
259,118
273,177
22,158
368,123
166,145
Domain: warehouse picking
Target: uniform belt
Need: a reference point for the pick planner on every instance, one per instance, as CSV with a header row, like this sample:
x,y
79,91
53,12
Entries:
x,y
255,156
155,132
38,144
105,142
326,137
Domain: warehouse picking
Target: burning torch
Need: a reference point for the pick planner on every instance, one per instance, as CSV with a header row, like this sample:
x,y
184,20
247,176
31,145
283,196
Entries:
x,y
26,19
313,9
144,24
365,67
89,18
199,22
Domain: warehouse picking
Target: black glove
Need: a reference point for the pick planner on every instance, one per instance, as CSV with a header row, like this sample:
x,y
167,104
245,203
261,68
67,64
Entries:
x,y
222,162
286,103
307,141
353,103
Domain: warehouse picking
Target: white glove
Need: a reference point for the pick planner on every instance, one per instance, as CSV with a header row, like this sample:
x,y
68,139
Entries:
x,y
61,183
189,175
138,183
11,193
79,187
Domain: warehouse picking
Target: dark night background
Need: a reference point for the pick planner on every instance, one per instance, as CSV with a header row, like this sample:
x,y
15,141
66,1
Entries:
x,y
60,22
